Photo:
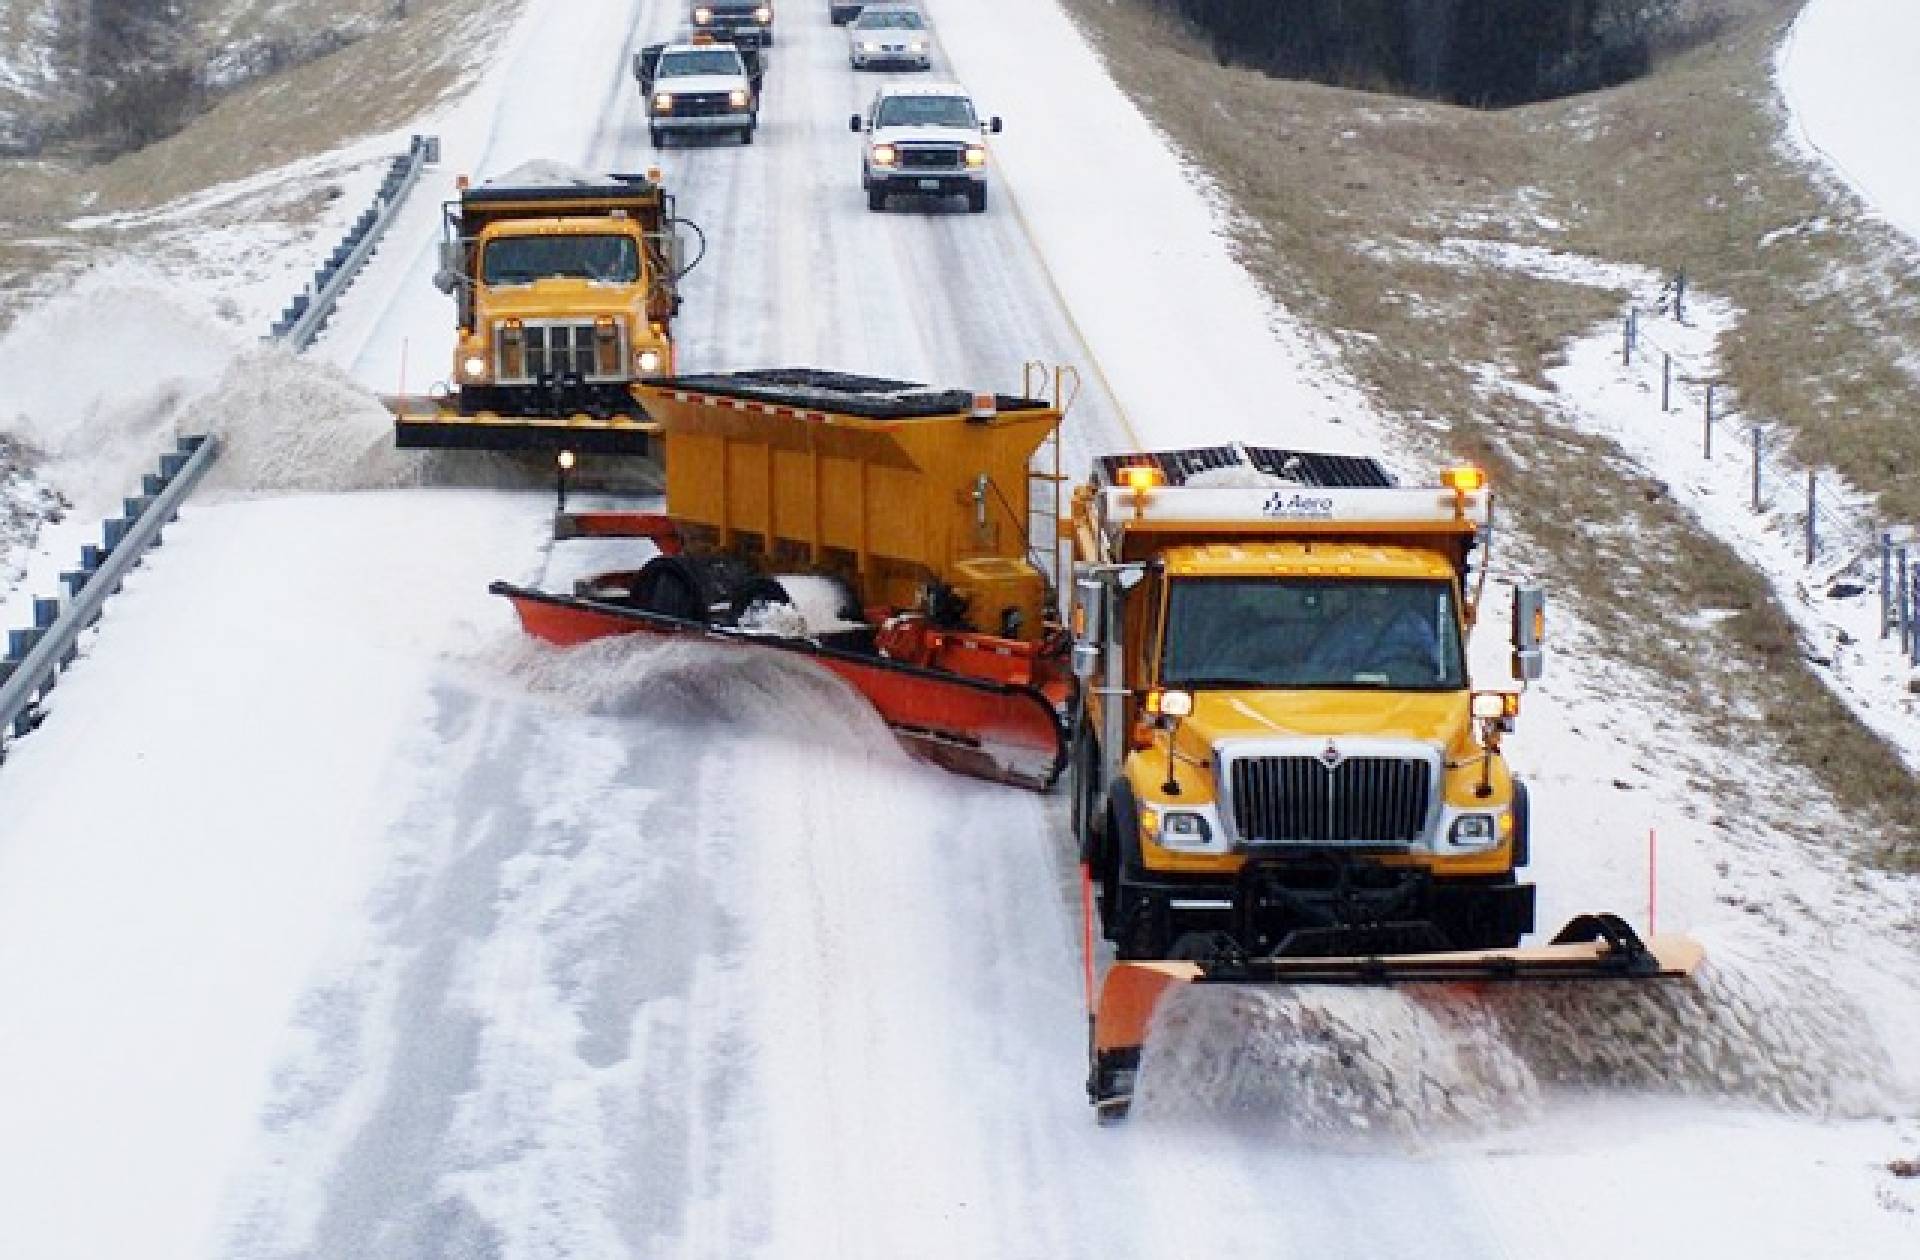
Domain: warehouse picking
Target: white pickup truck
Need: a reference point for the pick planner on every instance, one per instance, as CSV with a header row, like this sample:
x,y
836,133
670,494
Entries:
x,y
699,89
923,140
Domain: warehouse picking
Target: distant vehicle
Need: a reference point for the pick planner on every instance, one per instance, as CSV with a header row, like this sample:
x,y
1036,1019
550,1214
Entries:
x,y
889,35
844,11
740,22
699,88
923,140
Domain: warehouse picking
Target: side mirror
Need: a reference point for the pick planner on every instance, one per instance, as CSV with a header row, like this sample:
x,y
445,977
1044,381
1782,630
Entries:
x,y
1529,633
448,277
853,124
993,124
639,65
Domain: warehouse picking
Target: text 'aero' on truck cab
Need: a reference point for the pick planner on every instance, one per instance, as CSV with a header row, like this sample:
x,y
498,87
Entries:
x,y
1280,750
923,140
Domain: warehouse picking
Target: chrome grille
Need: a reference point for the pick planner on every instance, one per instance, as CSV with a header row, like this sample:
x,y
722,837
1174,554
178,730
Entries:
x,y
701,105
930,158
1358,800
554,349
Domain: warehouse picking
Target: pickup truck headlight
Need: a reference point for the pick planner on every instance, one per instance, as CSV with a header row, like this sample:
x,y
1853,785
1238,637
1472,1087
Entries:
x,y
916,46
1474,831
976,155
869,46
737,98
702,16
474,367
884,155
763,15
663,102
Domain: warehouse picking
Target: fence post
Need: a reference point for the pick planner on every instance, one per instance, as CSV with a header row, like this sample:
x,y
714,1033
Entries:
x,y
1906,601
1886,583
1913,640
1666,382
1679,297
1813,479
1756,468
1626,340
1706,440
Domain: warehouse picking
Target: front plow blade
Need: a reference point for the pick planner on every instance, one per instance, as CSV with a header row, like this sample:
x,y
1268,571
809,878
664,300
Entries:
x,y
1591,947
1002,732
422,422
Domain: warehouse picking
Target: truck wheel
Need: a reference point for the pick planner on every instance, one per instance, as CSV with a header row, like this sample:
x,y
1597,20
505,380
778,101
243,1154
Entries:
x,y
977,199
876,197
653,134
746,135
1139,924
1522,825
1083,784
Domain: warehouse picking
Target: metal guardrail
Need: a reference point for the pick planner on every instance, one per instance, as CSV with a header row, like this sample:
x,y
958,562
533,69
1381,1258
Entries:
x,y
36,656
310,310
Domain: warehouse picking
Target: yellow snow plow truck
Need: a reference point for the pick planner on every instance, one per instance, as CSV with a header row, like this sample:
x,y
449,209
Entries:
x,y
1280,771
565,287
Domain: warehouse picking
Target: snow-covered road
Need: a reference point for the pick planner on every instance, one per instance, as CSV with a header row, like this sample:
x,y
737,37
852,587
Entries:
x,y
396,936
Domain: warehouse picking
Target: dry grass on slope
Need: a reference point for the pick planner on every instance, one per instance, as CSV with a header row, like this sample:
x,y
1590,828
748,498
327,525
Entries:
x,y
1343,195
367,87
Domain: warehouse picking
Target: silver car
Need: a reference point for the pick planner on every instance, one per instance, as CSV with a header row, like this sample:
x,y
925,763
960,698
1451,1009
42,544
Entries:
x,y
891,35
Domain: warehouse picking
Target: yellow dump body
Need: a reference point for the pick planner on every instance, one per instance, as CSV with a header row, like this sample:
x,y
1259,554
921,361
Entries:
x,y
891,488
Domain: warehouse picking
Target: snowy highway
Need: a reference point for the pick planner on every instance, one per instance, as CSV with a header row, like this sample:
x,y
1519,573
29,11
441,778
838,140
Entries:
x,y
398,936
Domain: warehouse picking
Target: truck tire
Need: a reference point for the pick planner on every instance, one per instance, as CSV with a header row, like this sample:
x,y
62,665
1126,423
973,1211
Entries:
x,y
1522,825
876,198
977,199
1084,799
1139,924
746,134
653,134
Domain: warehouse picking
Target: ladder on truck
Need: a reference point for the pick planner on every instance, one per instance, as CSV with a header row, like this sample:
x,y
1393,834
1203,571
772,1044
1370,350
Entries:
x,y
1059,385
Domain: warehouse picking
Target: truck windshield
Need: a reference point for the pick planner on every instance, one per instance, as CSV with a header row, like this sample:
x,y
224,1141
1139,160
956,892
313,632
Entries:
x,y
524,259
701,61
889,20
924,111
1312,633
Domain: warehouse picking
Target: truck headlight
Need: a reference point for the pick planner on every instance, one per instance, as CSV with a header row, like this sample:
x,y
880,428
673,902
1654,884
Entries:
x,y
763,15
647,360
884,155
475,367
1474,831
976,155
866,46
916,46
1184,829
737,98
663,102
702,16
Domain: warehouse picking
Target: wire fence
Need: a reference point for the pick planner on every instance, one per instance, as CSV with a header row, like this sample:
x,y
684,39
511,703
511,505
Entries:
x,y
1838,530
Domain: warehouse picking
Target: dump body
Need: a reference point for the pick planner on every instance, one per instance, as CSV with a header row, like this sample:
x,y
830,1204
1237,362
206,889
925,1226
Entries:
x,y
1325,785
565,293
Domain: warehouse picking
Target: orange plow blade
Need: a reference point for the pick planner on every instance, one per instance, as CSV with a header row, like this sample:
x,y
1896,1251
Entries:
x,y
1002,732
1591,947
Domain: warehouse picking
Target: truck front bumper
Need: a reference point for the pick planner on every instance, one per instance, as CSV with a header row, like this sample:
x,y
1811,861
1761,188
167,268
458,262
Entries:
x,y
701,122
926,183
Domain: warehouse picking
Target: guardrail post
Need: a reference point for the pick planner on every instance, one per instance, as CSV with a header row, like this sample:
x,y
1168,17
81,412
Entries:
x,y
1756,468
1913,640
1626,339
1666,382
1679,297
1706,440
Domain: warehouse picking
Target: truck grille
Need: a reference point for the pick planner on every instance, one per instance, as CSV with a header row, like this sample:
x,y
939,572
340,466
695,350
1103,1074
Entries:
x,y
943,157
1358,800
554,349
700,105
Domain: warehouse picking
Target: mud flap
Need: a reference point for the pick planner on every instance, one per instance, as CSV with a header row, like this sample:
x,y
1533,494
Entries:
x,y
1002,732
